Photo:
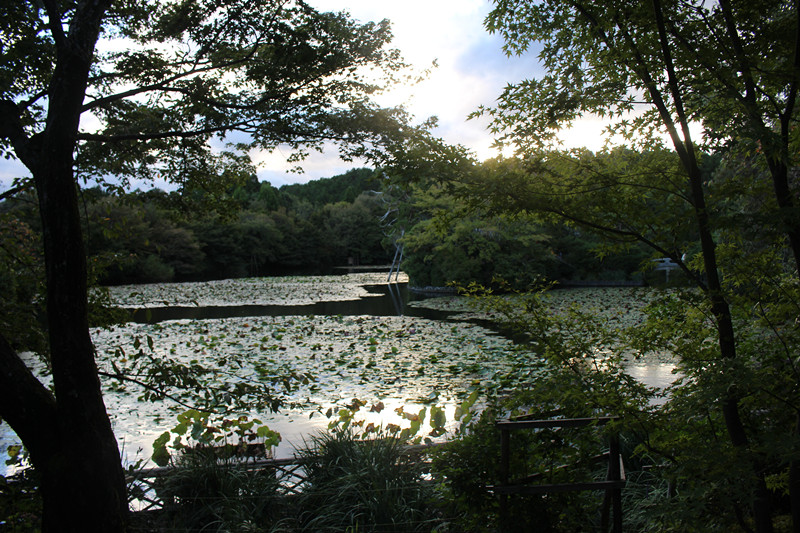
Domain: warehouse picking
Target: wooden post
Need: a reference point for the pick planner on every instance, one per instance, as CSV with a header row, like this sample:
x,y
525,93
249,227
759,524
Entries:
x,y
614,475
505,462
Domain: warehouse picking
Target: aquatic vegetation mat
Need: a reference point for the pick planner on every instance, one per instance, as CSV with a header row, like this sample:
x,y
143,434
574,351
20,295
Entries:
x,y
281,290
393,361
394,371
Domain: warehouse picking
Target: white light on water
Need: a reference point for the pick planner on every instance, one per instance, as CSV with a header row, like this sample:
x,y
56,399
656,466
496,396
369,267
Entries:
x,y
394,366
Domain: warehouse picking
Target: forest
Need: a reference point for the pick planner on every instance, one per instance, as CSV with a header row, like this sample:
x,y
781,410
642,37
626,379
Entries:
x,y
255,230
353,219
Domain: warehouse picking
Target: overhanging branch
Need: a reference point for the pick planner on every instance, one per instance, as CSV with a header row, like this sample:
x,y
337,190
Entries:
x,y
11,129
15,190
174,134
634,235
26,404
122,377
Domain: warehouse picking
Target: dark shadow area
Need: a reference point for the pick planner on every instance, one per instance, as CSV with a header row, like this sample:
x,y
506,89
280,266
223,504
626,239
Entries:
x,y
385,300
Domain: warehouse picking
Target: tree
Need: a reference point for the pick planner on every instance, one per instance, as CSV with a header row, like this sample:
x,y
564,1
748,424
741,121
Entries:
x,y
342,188
160,80
449,241
730,66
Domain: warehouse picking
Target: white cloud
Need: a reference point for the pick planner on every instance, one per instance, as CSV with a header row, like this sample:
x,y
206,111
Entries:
x,y
472,71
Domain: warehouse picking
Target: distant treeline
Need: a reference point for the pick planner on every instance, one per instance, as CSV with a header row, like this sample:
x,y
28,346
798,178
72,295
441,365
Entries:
x,y
255,230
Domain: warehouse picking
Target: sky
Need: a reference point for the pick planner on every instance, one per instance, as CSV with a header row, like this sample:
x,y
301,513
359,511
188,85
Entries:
x,y
472,71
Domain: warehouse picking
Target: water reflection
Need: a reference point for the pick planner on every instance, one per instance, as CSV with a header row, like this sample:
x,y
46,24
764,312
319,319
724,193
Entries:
x,y
383,300
653,374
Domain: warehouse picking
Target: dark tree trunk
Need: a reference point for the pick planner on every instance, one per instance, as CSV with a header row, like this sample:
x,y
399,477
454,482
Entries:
x,y
82,478
69,433
762,513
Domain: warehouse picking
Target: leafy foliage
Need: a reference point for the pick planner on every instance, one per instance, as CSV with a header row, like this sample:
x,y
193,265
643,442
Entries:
x,y
209,493
728,67
168,79
579,375
483,227
22,276
364,485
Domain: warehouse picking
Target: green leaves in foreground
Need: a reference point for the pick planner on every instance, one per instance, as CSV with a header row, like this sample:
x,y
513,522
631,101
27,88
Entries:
x,y
364,484
233,436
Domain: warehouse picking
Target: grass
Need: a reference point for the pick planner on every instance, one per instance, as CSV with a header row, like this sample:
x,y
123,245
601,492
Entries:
x,y
364,485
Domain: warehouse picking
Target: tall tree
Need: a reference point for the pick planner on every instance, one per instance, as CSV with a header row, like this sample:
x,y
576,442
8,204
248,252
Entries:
x,y
730,66
141,89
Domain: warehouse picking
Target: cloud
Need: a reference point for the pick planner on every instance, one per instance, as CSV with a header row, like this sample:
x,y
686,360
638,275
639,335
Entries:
x,y
472,71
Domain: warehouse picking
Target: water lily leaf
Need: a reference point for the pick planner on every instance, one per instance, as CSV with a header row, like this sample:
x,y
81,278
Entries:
x,y
160,453
438,417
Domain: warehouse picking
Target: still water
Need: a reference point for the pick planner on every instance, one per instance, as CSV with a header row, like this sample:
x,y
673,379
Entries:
x,y
359,336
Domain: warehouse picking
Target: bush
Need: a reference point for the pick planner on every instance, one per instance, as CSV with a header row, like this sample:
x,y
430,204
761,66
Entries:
x,y
364,485
470,463
205,493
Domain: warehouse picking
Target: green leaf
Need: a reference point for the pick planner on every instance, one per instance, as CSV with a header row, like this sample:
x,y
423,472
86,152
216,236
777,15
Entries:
x,y
438,417
160,453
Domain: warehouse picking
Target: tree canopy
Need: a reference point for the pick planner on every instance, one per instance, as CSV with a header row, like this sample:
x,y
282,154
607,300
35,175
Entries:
x,y
110,90
168,77
662,69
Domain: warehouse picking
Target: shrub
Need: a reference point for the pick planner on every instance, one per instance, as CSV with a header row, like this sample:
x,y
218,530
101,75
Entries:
x,y
206,493
364,485
470,463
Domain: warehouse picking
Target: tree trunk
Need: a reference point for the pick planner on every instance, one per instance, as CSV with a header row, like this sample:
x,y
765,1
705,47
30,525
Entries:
x,y
82,477
794,484
684,145
68,433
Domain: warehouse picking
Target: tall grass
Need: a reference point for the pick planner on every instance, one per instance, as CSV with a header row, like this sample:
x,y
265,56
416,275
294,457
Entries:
x,y
209,494
364,485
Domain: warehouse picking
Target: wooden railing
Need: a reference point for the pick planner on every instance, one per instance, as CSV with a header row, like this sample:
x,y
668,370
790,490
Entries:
x,y
143,484
612,485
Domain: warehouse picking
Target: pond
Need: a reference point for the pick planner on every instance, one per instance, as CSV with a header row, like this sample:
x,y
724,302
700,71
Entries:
x,y
360,340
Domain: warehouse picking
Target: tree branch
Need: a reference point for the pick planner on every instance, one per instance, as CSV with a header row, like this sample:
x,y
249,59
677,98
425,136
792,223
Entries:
x,y
15,190
11,129
739,53
635,235
27,405
161,134
791,99
163,84
54,22
672,81
122,377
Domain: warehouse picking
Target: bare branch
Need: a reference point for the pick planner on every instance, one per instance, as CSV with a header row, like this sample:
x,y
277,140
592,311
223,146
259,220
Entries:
x,y
26,404
54,22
